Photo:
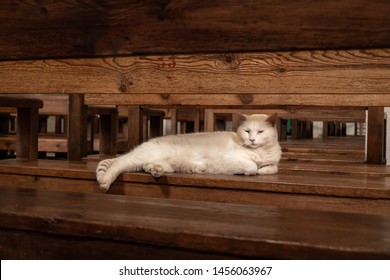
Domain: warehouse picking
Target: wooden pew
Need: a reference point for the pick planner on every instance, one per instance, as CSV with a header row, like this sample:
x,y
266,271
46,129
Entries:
x,y
41,225
58,106
244,55
27,128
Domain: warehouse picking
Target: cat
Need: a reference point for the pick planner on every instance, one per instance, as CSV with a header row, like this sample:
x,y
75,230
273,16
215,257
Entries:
x,y
254,149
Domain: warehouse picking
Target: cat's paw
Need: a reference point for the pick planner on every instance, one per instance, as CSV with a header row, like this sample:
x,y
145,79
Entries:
x,y
268,170
155,170
104,183
104,186
101,170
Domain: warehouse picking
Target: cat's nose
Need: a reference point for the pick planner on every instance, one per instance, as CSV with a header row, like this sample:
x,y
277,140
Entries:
x,y
252,140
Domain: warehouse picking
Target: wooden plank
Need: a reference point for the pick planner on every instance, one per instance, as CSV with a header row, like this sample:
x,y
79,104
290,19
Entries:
x,y
257,101
18,102
47,143
238,230
210,194
72,28
372,183
350,114
339,194
248,74
375,136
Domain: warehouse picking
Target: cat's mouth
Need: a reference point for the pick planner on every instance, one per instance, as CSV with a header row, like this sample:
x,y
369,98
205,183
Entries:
x,y
253,145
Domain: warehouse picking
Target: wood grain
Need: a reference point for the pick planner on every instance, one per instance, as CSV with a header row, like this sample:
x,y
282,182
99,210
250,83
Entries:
x,y
33,29
363,73
259,101
347,181
239,230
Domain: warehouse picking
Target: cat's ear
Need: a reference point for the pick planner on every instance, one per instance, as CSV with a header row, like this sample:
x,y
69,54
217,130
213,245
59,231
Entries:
x,y
272,119
241,117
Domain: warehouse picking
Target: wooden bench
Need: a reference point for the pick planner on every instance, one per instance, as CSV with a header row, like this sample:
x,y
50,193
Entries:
x,y
27,128
41,225
57,142
320,185
208,55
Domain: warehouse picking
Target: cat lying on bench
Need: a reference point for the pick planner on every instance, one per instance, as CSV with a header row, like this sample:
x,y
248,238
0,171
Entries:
x,y
254,149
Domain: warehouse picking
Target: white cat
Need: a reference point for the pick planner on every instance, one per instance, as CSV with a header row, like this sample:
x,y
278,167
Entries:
x,y
254,149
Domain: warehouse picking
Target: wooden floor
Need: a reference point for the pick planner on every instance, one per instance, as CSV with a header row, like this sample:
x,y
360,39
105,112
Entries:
x,y
317,202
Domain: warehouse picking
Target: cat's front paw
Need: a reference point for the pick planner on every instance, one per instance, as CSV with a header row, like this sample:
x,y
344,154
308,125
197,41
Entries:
x,y
104,187
104,184
101,174
155,170
268,170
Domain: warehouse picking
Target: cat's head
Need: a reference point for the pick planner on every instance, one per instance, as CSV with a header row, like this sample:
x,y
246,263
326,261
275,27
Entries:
x,y
257,130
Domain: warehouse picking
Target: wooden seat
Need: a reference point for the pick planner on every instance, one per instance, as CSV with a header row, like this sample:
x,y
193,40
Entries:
x,y
27,128
314,185
133,227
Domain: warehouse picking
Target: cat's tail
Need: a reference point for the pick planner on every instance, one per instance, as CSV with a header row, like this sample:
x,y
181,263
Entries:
x,y
109,169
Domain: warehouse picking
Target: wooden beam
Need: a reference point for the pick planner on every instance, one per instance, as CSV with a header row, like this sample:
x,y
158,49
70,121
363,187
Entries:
x,y
209,120
375,136
32,29
27,134
135,126
333,73
77,128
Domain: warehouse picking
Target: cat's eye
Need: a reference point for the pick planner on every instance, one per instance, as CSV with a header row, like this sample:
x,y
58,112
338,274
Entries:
x,y
260,131
247,131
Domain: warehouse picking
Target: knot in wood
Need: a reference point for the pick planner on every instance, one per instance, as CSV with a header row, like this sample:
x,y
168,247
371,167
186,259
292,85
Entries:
x,y
165,96
123,88
246,98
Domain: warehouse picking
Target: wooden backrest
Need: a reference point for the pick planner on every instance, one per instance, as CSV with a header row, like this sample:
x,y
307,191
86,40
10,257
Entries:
x,y
211,54
91,28
322,78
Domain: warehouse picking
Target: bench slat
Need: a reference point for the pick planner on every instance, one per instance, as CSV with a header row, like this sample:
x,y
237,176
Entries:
x,y
65,28
329,181
303,72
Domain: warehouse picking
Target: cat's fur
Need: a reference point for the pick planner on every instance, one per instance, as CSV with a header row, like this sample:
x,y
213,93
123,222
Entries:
x,y
254,149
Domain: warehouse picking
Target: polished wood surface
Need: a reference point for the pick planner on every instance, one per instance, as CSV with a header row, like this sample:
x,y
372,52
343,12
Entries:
x,y
320,185
241,231
31,29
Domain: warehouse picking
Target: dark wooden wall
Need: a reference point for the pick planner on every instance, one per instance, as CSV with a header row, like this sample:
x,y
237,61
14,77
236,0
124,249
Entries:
x,y
86,28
